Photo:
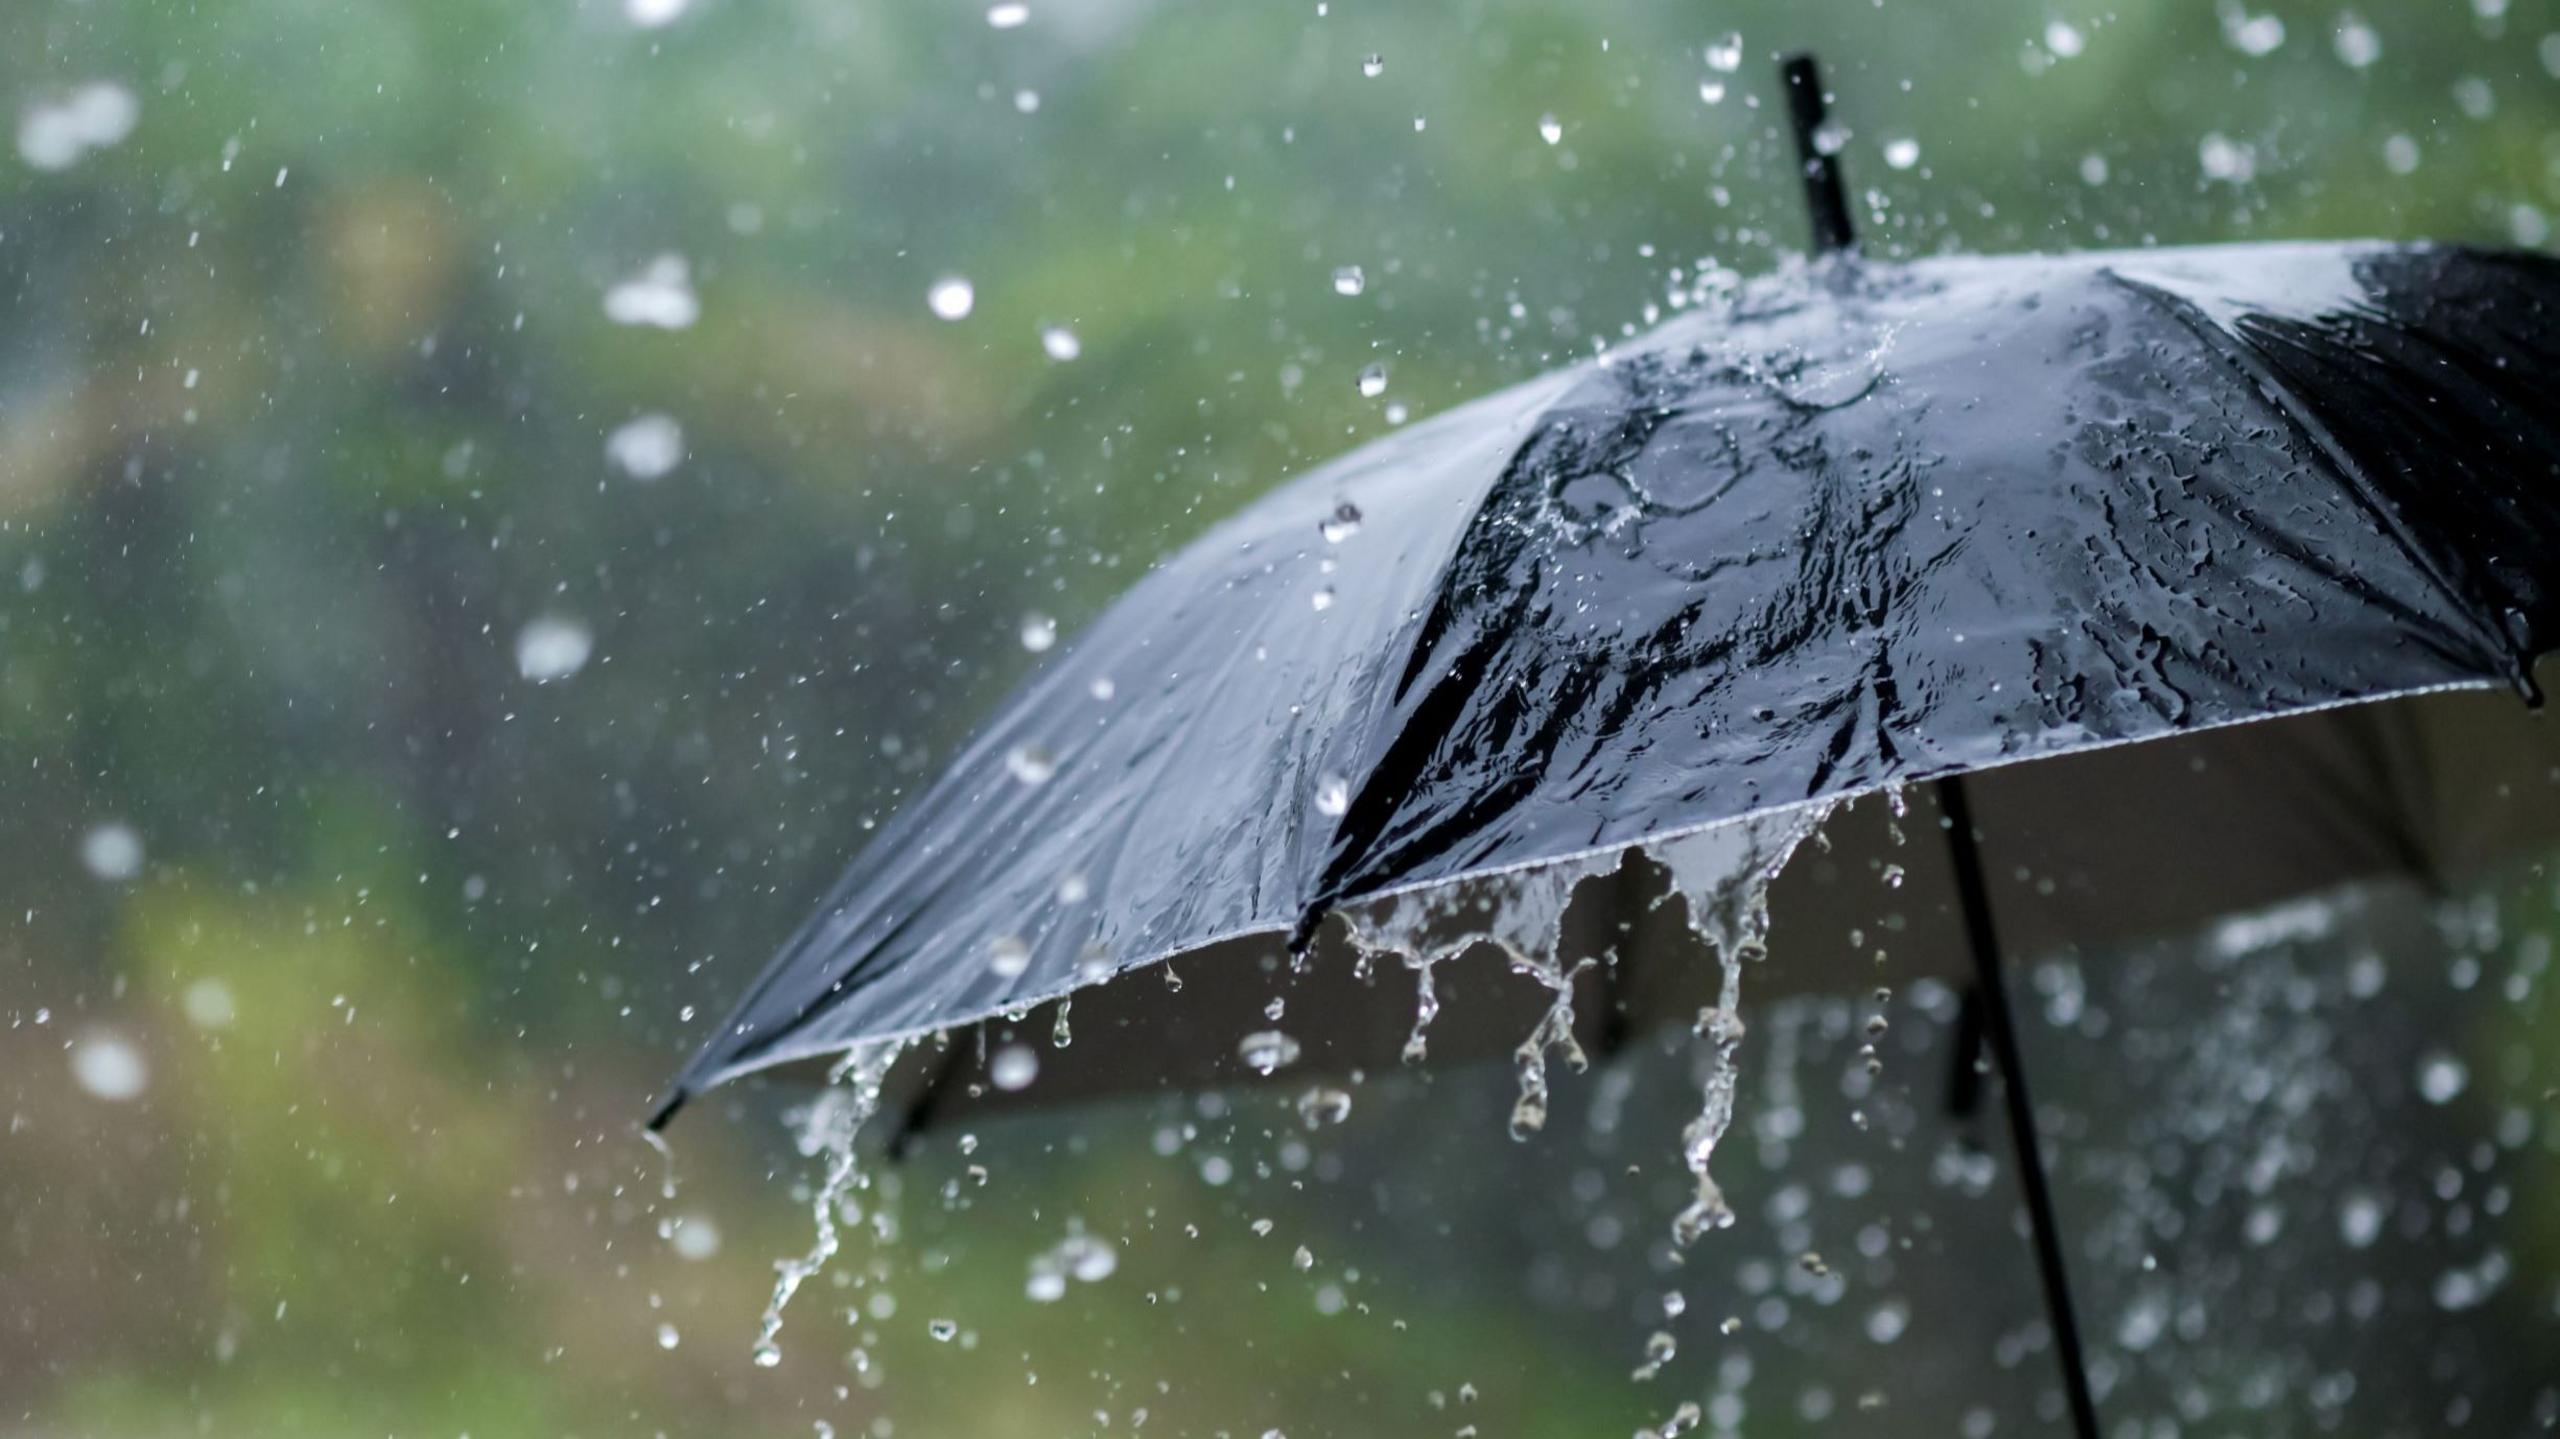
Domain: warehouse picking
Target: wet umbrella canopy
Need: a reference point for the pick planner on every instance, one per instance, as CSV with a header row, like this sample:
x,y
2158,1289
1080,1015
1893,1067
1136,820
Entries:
x,y
1831,532
1848,527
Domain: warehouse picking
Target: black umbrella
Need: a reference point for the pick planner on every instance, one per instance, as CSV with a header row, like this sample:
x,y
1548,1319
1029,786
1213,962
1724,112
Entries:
x,y
1849,527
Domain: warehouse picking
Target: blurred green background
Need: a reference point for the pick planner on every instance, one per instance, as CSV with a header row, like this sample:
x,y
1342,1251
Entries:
x,y
400,772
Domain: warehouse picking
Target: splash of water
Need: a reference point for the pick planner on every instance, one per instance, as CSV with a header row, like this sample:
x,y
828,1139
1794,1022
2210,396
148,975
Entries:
x,y
1554,1031
1722,874
833,1126
1522,914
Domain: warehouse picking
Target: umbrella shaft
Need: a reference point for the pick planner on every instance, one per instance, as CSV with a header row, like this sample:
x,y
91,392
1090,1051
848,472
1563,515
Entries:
x,y
2001,1030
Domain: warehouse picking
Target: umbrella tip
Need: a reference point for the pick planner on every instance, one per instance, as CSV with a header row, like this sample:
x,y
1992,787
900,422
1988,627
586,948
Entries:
x,y
665,1110
1824,197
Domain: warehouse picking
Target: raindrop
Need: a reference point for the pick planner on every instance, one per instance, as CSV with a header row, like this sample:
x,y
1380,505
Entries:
x,y
952,298
2400,155
1039,632
1014,1067
1550,129
2093,169
1267,1051
694,1237
1102,688
1724,56
1349,280
2251,35
1902,152
1322,599
1342,524
942,1330
1333,795
1008,956
109,1066
1374,66
1659,1349
668,1338
1073,889
660,296
2064,39
1303,1260
112,851
1321,1106
553,647
1058,342
2441,1077
1373,381
59,134
1711,91
2360,1219
1008,16
2358,43
649,15
646,447
208,1004
1031,763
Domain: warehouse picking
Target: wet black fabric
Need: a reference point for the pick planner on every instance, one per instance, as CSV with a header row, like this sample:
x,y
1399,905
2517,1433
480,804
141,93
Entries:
x,y
1852,526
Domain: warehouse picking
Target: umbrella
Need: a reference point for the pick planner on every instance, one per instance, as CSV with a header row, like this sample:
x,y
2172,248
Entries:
x,y
1848,528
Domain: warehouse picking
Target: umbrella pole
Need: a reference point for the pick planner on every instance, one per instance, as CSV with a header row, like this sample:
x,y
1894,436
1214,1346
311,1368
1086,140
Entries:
x,y
1824,198
2001,1031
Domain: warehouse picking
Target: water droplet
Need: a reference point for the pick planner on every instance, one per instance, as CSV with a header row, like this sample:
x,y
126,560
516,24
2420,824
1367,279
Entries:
x,y
1039,632
1322,599
651,14
2358,43
1009,15
1058,342
694,1237
2064,39
1342,524
1073,889
645,447
57,135
2251,35
1893,876
1014,1067
112,851
1008,956
1373,381
1303,1260
1102,688
952,298
1902,152
659,297
942,1330
1550,129
553,648
1321,1106
209,1005
2360,1219
2441,1077
109,1066
1349,280
1333,795
668,1338
1268,1050
1031,763
1711,91
1374,66
1724,56
1659,1349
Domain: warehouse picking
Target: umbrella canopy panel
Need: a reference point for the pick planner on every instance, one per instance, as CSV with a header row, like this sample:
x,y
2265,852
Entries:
x,y
1847,527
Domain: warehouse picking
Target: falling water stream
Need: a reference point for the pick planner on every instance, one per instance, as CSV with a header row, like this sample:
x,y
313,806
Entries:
x,y
1721,875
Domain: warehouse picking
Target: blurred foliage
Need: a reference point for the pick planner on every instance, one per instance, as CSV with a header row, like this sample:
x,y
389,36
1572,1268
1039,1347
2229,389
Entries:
x,y
305,387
